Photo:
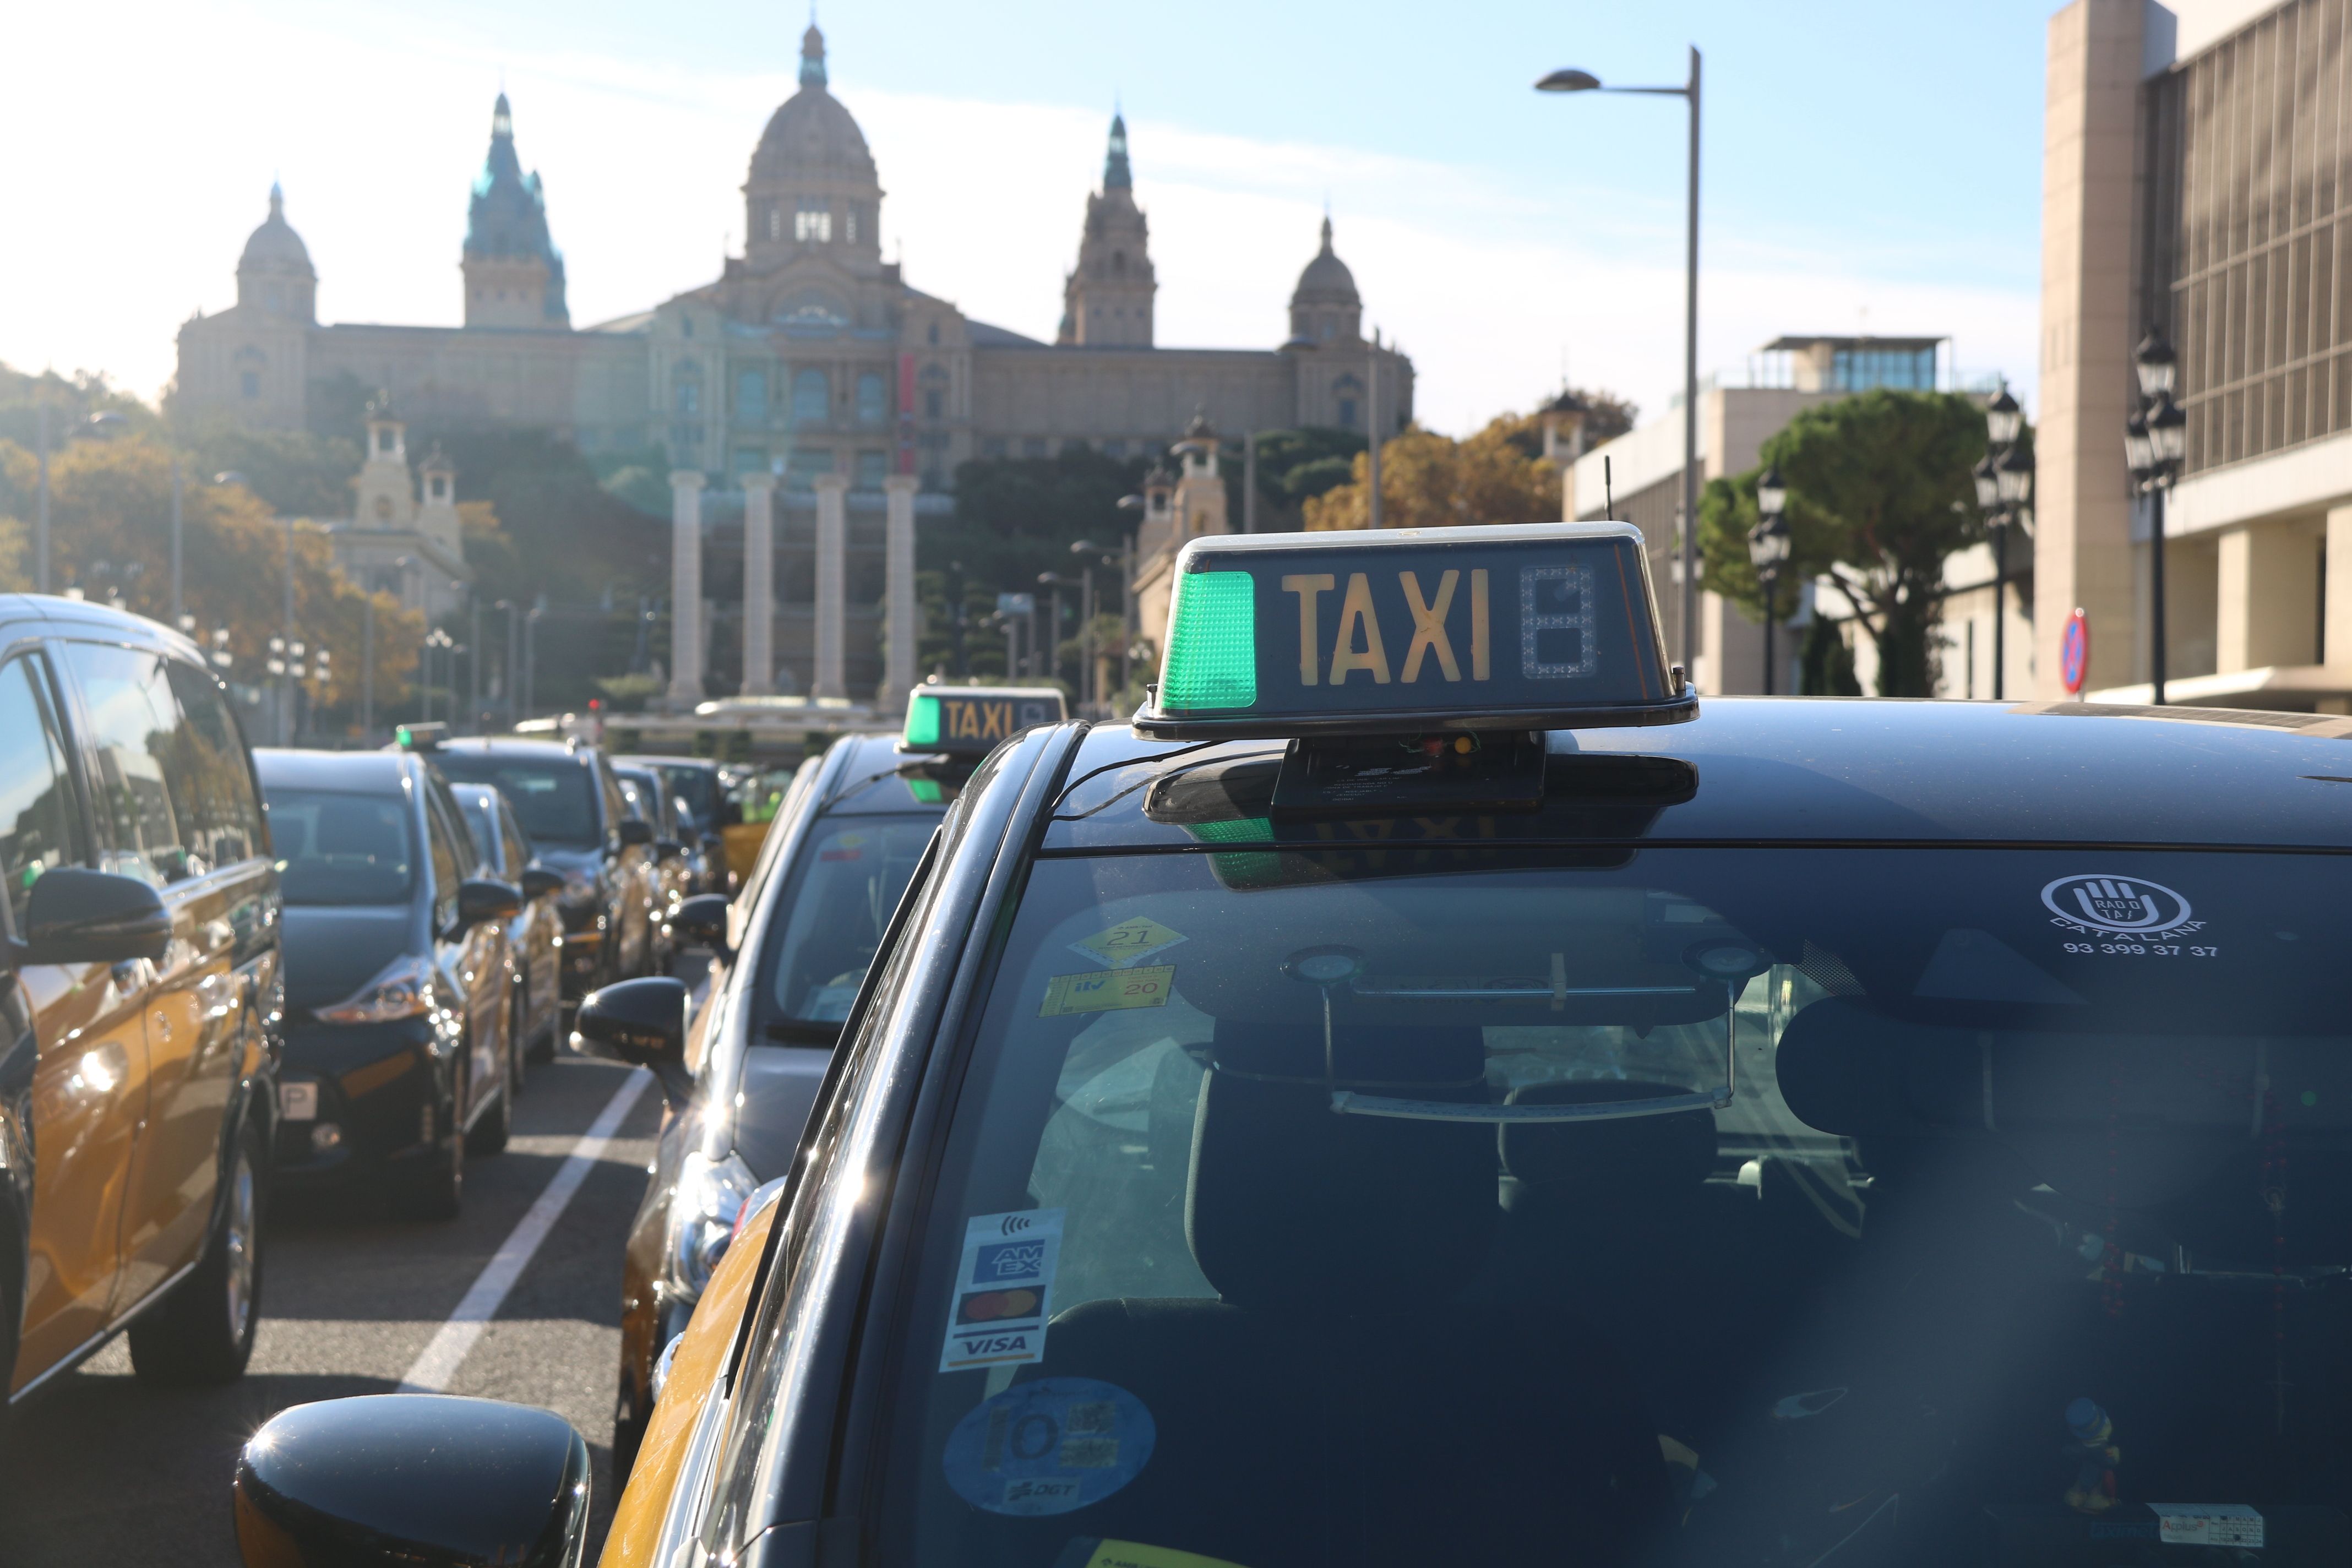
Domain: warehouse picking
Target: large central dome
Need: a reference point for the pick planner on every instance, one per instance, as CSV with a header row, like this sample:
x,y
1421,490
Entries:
x,y
812,136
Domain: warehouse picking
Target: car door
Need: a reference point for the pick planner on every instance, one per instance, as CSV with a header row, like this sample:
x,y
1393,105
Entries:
x,y
138,737
88,1089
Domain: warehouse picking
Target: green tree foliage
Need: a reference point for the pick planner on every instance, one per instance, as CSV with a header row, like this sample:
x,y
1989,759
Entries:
x,y
1017,517
295,473
1825,665
1294,467
974,650
1879,495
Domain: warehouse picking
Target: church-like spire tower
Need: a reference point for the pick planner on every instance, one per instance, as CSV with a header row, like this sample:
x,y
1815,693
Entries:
x,y
513,273
1107,299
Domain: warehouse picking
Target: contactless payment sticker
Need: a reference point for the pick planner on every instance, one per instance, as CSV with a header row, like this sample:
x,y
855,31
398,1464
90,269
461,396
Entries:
x,y
1049,1446
1107,989
1128,943
1003,1290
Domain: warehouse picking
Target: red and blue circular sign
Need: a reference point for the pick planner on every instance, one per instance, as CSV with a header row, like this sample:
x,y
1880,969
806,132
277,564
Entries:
x,y
2075,652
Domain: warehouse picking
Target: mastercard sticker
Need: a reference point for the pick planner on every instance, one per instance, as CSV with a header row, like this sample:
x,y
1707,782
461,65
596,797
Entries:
x,y
1003,1290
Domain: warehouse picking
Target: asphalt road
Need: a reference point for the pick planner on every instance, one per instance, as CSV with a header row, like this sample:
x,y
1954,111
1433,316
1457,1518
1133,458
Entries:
x,y
98,1468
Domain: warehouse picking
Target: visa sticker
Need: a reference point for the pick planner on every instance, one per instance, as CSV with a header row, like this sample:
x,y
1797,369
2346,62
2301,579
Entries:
x,y
1107,989
1051,1446
1128,943
1003,1290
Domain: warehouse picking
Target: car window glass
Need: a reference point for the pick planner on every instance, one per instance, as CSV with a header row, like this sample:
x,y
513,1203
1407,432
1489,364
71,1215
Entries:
x,y
481,820
550,793
616,807
851,873
134,723
448,858
514,851
219,812
40,821
338,847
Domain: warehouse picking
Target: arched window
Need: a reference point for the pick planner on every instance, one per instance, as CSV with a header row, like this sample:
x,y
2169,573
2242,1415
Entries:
x,y
873,407
811,398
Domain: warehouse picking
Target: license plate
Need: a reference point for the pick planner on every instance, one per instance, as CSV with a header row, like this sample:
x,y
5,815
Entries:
x,y
297,1101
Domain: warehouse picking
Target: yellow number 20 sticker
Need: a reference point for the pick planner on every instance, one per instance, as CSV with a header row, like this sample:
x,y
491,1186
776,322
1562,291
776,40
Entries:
x,y
1107,990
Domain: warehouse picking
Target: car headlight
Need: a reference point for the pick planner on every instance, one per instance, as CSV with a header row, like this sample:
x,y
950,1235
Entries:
x,y
702,1210
403,990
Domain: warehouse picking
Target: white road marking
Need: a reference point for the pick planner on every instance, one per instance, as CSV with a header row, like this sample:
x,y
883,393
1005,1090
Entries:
x,y
431,1372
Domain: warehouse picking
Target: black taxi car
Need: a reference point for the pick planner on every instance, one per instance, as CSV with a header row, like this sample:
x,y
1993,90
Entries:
x,y
1407,1100
139,1000
847,837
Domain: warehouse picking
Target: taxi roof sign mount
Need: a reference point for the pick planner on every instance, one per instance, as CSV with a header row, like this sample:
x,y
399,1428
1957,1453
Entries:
x,y
1403,631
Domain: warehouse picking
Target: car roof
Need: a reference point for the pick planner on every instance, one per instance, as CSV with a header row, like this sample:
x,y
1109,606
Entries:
x,y
523,744
867,779
1819,769
361,773
55,613
652,760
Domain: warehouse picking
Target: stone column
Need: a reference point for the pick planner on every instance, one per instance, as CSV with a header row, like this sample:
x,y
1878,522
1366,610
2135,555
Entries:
x,y
899,578
832,584
759,584
685,589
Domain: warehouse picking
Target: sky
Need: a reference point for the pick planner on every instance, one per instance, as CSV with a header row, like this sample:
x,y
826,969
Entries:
x,y
1866,167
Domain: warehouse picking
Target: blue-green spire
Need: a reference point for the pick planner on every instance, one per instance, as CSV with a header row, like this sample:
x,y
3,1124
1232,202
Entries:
x,y
1116,174
812,58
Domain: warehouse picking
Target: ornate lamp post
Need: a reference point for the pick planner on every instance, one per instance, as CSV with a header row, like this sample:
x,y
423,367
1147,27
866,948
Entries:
x,y
1768,544
2154,439
2004,483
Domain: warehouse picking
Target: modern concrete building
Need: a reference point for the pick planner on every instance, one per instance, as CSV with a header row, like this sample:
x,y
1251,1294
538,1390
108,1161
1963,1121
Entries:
x,y
2197,181
1738,411
810,356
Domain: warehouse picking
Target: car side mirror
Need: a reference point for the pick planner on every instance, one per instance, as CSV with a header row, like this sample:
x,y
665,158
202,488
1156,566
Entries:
x,y
537,882
635,830
480,898
643,1023
79,916
420,1481
702,919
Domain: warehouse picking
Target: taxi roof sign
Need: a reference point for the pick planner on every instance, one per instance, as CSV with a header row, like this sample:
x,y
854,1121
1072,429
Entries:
x,y
969,720
1531,626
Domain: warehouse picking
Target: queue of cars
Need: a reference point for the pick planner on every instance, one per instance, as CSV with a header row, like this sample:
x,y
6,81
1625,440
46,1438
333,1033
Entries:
x,y
1425,1092
226,970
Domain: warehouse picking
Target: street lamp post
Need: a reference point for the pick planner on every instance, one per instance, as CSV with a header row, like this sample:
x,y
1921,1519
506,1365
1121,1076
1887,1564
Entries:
x,y
2004,482
1584,81
1769,546
2154,439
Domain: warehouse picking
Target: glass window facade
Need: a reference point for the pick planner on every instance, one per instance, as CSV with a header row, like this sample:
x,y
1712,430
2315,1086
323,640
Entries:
x,y
1861,369
751,396
872,403
811,398
2245,230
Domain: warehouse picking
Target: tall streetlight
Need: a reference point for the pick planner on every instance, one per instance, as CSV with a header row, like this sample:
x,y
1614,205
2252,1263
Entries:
x,y
2154,439
1769,546
1585,81
1091,554
2004,483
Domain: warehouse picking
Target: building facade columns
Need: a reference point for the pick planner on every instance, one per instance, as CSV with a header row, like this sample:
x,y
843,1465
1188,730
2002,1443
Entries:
x,y
685,589
759,584
832,585
898,587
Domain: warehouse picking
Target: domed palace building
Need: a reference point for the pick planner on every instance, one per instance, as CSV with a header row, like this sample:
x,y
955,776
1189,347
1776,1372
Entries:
x,y
810,363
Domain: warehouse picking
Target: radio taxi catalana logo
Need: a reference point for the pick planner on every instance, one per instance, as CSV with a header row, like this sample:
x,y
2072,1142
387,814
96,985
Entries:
x,y
2118,906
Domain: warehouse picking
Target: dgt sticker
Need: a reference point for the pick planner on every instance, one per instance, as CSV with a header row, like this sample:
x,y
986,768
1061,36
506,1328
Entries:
x,y
1049,1446
1003,1290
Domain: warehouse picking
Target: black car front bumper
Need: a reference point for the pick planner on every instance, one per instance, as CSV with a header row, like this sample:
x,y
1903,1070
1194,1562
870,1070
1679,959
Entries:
x,y
383,1101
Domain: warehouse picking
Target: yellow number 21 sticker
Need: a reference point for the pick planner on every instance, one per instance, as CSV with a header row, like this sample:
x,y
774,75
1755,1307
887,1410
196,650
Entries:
x,y
1107,990
1128,943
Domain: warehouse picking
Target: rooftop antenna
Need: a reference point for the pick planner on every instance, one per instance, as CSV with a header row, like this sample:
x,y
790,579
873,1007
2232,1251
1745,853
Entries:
x,y
1608,492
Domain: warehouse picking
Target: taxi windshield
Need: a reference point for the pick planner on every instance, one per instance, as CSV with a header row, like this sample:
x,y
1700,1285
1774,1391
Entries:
x,y
1408,1206
851,872
340,848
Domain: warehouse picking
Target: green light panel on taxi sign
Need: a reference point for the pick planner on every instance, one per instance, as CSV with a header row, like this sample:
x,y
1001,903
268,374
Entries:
x,y
1549,626
922,721
1212,643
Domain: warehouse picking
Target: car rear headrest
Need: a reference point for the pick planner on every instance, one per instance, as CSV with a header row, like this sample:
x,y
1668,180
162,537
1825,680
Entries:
x,y
1623,1161
1289,1206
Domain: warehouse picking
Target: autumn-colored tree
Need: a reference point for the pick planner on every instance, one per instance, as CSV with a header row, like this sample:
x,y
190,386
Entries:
x,y
1429,480
109,510
1879,496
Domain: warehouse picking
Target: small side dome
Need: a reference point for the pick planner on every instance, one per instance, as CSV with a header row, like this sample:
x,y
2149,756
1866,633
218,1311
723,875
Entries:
x,y
1326,280
275,247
